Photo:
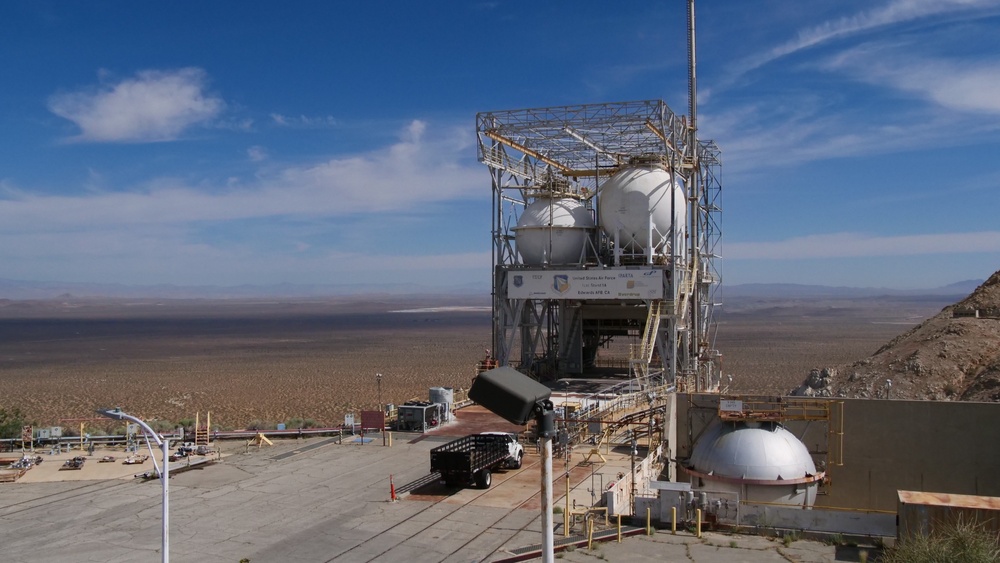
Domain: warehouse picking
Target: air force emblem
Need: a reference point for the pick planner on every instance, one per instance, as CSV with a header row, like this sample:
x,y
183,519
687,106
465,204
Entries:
x,y
560,283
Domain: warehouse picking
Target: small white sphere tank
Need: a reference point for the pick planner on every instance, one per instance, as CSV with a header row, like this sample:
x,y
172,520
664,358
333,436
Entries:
x,y
635,203
553,231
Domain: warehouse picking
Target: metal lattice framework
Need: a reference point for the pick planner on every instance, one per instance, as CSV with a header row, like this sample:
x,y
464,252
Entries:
x,y
569,152
581,142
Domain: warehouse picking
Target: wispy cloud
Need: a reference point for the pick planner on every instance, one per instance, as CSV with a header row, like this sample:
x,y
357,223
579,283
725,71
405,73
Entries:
x,y
935,102
155,232
957,84
154,254
891,13
761,137
855,245
303,121
415,170
153,105
257,153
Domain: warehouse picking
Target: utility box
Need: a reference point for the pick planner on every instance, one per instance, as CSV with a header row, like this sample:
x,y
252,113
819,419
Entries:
x,y
418,416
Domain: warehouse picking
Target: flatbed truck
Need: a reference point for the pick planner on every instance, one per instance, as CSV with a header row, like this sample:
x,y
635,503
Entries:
x,y
474,458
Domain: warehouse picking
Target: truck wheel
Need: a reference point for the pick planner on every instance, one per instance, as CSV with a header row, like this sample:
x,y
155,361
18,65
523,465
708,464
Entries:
x,y
484,478
516,464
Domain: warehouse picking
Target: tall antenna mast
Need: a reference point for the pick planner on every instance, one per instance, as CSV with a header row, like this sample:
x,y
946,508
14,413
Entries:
x,y
694,195
692,80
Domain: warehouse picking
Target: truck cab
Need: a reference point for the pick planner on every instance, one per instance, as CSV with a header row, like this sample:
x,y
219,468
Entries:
x,y
514,448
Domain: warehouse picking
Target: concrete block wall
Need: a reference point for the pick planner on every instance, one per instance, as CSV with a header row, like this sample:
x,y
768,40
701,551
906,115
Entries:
x,y
887,445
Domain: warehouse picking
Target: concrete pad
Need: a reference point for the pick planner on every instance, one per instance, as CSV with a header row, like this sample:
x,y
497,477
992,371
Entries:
x,y
295,503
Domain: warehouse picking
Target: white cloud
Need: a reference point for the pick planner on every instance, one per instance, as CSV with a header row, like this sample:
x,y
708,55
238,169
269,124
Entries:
x,y
786,132
257,153
410,171
891,13
855,245
960,84
151,254
155,232
151,106
303,121
413,171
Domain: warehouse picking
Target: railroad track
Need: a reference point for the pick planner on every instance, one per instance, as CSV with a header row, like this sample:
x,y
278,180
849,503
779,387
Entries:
x,y
435,506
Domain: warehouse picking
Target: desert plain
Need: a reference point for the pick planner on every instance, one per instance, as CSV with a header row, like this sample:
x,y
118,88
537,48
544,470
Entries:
x,y
256,363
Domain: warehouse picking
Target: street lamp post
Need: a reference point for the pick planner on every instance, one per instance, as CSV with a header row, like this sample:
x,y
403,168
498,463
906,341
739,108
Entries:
x,y
117,414
378,379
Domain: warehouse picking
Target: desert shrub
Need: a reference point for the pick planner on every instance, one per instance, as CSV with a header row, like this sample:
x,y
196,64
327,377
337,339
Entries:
x,y
260,425
301,423
11,423
161,426
960,540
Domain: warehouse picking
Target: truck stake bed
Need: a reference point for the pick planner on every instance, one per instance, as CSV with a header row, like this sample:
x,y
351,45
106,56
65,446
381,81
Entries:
x,y
475,457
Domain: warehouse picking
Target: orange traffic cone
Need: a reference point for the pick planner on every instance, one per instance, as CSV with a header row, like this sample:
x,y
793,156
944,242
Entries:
x,y
392,490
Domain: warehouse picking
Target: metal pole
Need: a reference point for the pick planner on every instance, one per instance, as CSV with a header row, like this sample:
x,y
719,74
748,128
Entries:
x,y
548,541
117,414
164,476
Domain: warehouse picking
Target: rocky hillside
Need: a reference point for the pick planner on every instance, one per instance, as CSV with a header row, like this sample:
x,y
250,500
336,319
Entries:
x,y
954,355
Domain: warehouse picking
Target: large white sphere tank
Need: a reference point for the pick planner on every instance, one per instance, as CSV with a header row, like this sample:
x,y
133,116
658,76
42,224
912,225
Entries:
x,y
762,462
553,231
640,203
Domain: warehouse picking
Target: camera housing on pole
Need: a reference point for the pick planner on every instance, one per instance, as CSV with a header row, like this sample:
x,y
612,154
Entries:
x,y
515,397
518,398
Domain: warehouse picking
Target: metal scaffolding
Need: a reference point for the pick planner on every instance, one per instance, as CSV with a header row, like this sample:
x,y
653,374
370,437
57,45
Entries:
x,y
569,152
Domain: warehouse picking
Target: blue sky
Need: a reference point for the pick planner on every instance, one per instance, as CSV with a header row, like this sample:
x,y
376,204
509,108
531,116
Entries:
x,y
229,143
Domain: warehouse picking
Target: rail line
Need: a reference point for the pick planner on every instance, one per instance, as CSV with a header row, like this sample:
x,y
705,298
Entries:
x,y
409,487
61,496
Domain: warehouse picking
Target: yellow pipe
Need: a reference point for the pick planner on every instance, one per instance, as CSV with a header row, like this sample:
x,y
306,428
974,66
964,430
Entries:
x,y
590,534
566,515
673,520
649,528
619,528
697,514
518,146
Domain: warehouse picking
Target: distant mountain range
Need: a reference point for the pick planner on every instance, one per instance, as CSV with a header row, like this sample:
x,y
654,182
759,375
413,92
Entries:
x,y
793,291
17,289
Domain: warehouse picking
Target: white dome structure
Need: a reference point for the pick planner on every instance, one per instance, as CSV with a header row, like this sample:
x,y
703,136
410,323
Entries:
x,y
553,231
640,204
760,461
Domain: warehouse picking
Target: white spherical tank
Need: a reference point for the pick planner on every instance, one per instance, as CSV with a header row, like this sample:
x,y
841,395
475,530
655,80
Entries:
x,y
761,462
553,231
640,204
